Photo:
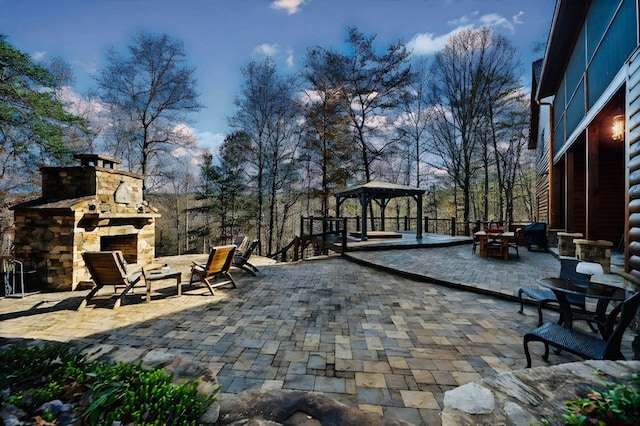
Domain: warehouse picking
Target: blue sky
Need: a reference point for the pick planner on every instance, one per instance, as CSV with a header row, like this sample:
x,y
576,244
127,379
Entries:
x,y
221,36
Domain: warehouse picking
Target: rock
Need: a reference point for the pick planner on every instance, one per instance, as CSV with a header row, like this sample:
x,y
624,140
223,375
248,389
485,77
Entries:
x,y
255,422
296,408
516,415
526,396
54,407
10,415
471,398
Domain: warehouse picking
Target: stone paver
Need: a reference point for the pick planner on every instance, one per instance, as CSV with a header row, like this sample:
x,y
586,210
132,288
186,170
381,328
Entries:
x,y
371,339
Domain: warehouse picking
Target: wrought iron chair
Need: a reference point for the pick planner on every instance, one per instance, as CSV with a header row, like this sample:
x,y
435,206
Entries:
x,y
545,296
584,345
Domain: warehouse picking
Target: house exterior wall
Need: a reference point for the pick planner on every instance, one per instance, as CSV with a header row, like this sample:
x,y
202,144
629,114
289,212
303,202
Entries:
x,y
632,252
543,146
605,40
588,77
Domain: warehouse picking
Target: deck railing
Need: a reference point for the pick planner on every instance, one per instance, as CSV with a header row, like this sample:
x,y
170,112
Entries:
x,y
317,235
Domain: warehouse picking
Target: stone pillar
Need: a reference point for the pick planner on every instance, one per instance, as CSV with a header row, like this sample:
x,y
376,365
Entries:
x,y
598,251
566,245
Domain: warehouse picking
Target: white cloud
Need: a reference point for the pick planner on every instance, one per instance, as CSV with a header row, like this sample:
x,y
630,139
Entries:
x,y
205,142
91,109
209,141
465,20
291,6
38,56
290,58
90,68
267,49
495,20
428,43
516,18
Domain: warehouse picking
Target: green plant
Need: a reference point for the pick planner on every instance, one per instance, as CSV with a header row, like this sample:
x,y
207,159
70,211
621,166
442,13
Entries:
x,y
127,393
613,405
101,393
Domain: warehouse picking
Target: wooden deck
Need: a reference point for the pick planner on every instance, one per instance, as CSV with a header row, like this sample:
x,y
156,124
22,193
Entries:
x,y
405,241
375,235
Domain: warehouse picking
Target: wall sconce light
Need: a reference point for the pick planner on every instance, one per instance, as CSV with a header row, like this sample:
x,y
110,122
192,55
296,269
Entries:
x,y
617,128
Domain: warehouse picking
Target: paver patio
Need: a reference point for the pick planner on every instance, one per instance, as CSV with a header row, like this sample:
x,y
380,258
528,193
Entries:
x,y
371,339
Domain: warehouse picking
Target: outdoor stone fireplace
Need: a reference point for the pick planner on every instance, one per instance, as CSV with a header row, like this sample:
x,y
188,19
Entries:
x,y
90,207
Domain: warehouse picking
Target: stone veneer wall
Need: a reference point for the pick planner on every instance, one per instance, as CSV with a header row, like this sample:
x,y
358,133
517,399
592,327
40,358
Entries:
x,y
108,182
598,251
566,244
46,242
89,240
58,241
57,236
68,182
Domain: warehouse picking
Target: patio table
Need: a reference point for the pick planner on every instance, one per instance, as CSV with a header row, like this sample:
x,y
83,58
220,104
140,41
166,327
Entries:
x,y
505,238
160,274
603,295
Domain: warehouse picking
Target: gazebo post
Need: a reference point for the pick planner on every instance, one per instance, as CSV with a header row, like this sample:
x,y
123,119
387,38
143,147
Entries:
x,y
363,204
419,227
383,216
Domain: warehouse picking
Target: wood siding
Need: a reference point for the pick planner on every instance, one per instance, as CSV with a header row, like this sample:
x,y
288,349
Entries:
x,y
633,161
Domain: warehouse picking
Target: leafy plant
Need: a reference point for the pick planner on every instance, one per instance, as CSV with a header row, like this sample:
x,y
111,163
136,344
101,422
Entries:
x,y
613,405
101,393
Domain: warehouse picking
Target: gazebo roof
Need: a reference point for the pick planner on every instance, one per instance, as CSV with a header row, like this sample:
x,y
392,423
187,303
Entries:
x,y
379,189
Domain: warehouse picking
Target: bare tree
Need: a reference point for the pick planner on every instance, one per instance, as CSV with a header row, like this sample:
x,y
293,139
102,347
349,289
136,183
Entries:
x,y
414,120
266,112
509,151
472,74
326,134
180,185
152,91
372,85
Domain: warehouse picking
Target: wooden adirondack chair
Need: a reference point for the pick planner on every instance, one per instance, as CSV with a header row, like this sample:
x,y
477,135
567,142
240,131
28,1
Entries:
x,y
109,268
241,260
217,266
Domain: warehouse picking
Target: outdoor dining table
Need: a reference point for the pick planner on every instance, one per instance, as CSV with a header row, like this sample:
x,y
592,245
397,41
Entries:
x,y
504,237
602,294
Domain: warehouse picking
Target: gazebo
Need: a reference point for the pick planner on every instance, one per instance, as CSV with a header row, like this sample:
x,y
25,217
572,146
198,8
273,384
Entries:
x,y
381,192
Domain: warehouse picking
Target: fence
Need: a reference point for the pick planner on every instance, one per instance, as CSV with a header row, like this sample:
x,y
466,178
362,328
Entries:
x,y
317,233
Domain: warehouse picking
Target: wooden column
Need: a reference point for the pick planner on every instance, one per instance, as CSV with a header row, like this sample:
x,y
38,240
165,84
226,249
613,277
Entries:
x,y
592,178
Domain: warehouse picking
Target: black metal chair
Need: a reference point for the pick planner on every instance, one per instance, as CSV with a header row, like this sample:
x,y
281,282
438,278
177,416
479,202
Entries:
x,y
586,346
545,296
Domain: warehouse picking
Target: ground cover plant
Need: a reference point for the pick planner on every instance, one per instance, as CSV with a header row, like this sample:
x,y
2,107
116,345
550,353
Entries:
x,y
55,385
614,404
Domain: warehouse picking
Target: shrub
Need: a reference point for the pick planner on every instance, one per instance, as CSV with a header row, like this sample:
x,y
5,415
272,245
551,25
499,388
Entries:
x,y
99,392
612,405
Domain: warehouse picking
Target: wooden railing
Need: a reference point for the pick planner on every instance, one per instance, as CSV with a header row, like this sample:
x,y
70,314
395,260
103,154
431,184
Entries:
x,y
330,233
